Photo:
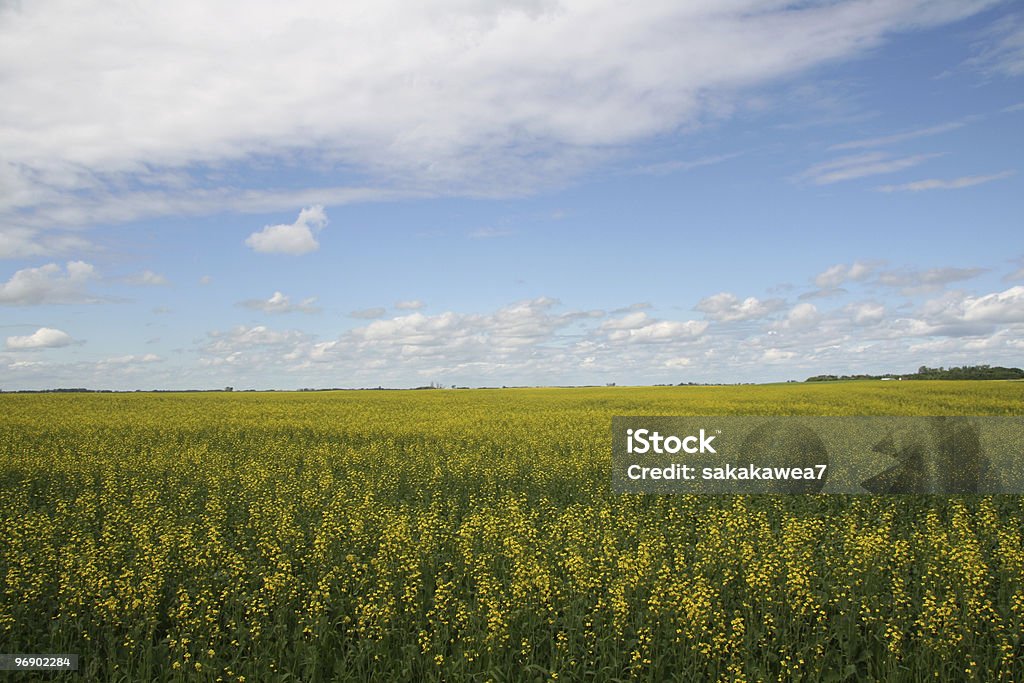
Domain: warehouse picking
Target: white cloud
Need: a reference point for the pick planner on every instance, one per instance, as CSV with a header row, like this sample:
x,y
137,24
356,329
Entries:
x,y
998,307
482,98
509,328
726,307
661,331
832,277
907,280
1001,50
49,284
25,242
630,321
537,341
959,315
281,303
244,337
43,338
410,305
860,166
294,238
511,339
666,167
638,306
899,137
836,275
26,365
802,316
415,329
148,278
912,282
776,355
866,313
253,347
489,233
953,184
132,359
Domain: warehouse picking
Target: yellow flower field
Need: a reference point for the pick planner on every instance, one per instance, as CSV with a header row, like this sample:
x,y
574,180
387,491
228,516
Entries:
x,y
473,535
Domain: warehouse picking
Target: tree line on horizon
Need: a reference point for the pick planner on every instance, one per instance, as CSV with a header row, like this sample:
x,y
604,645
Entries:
x,y
925,372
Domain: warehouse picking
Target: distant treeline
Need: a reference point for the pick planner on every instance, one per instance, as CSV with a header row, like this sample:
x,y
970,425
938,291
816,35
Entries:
x,y
925,372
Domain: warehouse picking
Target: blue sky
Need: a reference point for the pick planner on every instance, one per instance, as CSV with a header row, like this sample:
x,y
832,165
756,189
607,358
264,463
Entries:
x,y
527,193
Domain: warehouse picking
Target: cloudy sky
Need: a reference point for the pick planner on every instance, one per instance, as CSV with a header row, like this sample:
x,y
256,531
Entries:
x,y
314,194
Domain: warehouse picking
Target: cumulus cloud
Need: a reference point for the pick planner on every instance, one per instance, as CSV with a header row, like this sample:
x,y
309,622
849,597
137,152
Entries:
x,y
802,316
660,331
726,307
512,338
638,327
243,336
43,338
776,355
410,305
257,346
539,341
481,99
281,303
511,327
294,238
417,329
998,307
960,315
865,313
49,284
836,275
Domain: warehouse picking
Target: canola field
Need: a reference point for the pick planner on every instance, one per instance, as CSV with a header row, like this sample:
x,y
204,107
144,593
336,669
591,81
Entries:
x,y
472,535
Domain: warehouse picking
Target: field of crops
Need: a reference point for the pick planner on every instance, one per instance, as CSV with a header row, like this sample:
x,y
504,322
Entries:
x,y
473,535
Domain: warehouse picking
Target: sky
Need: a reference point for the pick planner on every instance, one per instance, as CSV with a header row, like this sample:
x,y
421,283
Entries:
x,y
315,194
